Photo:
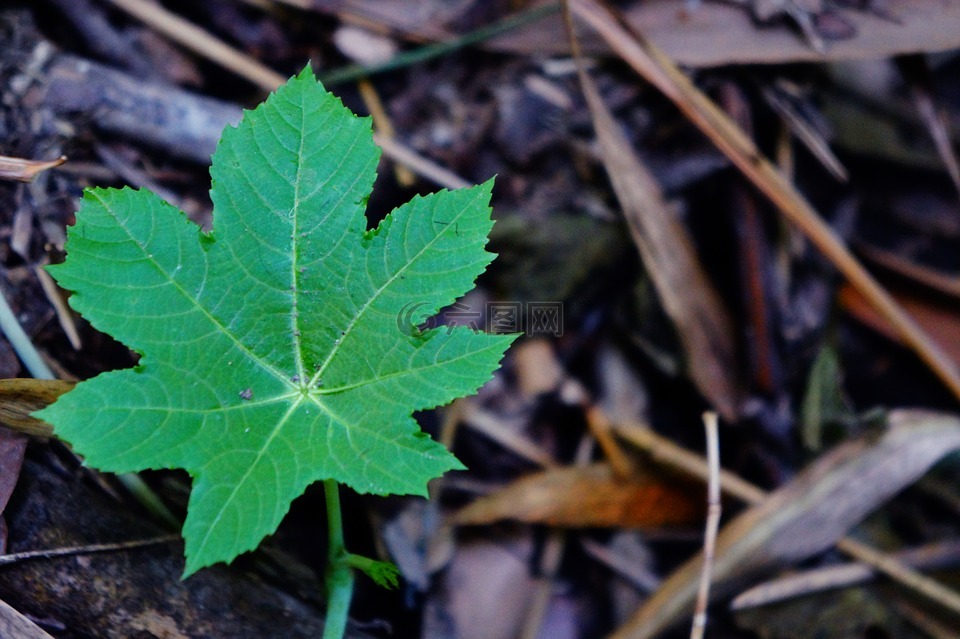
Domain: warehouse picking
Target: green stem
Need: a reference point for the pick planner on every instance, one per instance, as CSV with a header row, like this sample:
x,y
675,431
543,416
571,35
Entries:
x,y
356,71
339,575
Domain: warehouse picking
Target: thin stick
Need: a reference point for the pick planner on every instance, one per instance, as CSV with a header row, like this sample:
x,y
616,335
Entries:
x,y
381,121
713,523
202,42
59,307
16,557
931,589
21,344
937,555
205,44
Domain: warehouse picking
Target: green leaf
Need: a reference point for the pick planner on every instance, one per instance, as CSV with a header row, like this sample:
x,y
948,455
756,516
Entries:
x,y
272,354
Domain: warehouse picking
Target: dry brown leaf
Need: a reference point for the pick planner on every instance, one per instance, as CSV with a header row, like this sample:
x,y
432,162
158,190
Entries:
x,y
670,258
591,496
936,318
715,34
14,624
807,515
12,448
20,397
23,170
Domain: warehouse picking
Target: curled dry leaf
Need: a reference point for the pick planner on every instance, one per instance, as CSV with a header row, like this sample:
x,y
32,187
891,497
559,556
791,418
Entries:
x,y
21,397
807,515
23,170
591,496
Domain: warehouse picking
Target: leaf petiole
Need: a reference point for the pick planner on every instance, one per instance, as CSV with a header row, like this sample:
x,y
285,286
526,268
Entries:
x,y
338,577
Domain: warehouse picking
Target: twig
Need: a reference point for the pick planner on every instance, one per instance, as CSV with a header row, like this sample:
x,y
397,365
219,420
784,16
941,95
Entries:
x,y
383,125
483,422
601,429
419,164
18,339
59,306
920,619
637,575
931,589
199,41
931,556
196,39
713,523
16,557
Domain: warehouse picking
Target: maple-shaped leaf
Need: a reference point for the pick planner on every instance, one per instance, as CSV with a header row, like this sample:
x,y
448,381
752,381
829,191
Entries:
x,y
272,354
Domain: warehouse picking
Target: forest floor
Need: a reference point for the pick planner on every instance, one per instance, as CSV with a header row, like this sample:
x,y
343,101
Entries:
x,y
749,208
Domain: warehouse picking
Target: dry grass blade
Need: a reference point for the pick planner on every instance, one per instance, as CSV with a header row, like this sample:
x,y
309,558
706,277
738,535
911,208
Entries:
x,y
932,556
810,514
25,170
670,257
807,134
659,70
916,72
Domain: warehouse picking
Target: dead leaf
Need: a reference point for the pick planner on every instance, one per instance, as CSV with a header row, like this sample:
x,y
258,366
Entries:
x,y
807,515
937,319
12,448
21,397
14,624
590,496
483,576
715,34
23,170
670,258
